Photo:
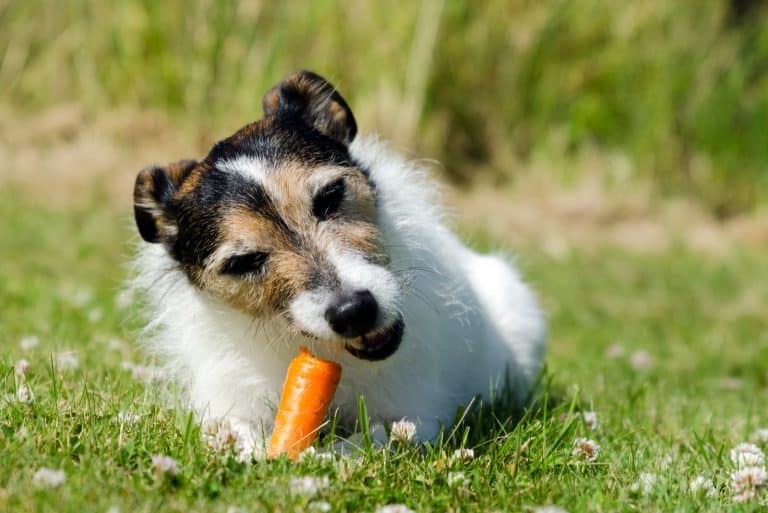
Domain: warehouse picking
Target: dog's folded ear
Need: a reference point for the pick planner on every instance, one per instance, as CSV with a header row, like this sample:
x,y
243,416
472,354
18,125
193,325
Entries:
x,y
312,99
152,195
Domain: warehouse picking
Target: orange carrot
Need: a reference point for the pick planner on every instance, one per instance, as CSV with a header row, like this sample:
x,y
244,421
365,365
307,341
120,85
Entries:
x,y
307,392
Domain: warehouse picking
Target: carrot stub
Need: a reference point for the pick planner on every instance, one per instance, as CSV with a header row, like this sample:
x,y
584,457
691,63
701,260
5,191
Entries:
x,y
307,393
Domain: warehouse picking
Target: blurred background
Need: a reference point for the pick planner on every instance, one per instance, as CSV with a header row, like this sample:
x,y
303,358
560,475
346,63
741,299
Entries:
x,y
632,123
619,149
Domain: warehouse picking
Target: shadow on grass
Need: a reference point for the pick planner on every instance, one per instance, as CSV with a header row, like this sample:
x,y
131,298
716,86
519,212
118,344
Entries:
x,y
546,417
483,423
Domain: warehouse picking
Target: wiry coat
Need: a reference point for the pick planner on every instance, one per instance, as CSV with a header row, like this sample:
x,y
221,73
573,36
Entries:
x,y
471,323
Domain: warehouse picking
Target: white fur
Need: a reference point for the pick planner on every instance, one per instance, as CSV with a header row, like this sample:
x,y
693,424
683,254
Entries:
x,y
248,166
469,319
308,310
356,273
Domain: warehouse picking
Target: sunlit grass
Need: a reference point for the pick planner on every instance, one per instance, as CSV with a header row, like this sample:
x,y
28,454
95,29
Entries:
x,y
701,390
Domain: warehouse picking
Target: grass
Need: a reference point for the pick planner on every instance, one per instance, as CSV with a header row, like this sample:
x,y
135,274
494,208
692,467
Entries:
x,y
679,87
701,321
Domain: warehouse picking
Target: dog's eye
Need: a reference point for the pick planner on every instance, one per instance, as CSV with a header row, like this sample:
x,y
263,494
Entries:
x,y
243,264
328,200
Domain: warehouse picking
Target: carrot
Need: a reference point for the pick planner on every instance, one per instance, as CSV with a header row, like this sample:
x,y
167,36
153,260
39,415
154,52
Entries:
x,y
307,392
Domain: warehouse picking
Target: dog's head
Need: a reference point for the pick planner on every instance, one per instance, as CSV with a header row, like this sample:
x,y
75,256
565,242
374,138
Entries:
x,y
278,220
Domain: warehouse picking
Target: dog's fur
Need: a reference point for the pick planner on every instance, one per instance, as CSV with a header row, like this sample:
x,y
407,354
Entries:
x,y
249,249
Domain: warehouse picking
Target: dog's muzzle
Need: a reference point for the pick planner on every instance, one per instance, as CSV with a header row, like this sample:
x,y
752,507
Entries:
x,y
353,316
378,345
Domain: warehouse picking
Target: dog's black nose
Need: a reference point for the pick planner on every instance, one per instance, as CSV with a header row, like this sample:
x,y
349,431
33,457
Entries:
x,y
352,315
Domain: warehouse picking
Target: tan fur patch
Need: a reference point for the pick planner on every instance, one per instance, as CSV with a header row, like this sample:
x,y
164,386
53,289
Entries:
x,y
298,245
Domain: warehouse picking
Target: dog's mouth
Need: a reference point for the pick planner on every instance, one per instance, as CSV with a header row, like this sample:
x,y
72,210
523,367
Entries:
x,y
378,345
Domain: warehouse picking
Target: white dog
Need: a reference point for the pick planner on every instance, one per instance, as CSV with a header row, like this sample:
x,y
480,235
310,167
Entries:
x,y
293,232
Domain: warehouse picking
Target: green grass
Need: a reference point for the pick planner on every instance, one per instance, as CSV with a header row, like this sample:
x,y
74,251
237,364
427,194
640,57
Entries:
x,y
680,87
701,320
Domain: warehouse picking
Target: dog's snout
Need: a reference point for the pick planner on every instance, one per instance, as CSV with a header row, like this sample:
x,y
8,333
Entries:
x,y
353,315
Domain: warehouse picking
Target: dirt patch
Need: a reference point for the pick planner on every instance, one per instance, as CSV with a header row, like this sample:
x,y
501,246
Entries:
x,y
606,205
64,157
559,219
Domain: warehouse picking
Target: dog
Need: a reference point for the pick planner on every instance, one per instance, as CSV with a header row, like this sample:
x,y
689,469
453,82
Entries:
x,y
295,231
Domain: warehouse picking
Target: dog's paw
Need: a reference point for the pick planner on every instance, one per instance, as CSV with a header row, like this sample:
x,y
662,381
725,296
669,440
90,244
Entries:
x,y
243,438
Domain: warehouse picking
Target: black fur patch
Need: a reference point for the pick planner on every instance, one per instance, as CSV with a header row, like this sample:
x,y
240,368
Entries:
x,y
307,123
153,191
145,222
243,264
282,140
308,98
199,214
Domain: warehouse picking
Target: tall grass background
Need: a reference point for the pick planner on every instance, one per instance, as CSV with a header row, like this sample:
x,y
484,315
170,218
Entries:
x,y
679,88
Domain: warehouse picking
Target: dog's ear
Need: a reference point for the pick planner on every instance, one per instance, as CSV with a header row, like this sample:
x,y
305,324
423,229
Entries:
x,y
155,186
312,99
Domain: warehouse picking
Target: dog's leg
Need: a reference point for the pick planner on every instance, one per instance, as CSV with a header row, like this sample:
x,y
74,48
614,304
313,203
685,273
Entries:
x,y
237,403
229,433
251,440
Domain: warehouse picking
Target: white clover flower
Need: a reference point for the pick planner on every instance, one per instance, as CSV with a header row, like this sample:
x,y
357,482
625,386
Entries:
x,y
462,454
81,297
747,455
590,419
394,508
307,454
402,431
49,477
701,485
456,478
614,351
308,485
127,417
666,462
95,315
21,368
760,436
113,509
747,481
586,449
217,433
164,465
115,344
645,483
321,506
641,360
245,453
347,466
124,299
549,509
24,394
29,342
67,360
310,454
745,496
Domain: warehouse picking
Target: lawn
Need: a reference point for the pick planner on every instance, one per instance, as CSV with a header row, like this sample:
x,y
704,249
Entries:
x,y
668,350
